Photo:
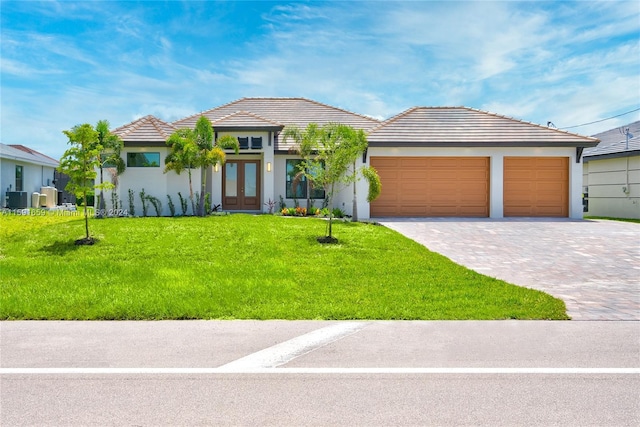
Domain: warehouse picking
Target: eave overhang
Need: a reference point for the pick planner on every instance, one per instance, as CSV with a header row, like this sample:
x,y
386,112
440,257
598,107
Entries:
x,y
273,128
145,144
500,144
617,155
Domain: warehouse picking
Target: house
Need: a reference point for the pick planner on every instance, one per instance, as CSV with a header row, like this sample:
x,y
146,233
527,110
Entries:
x,y
611,176
24,171
432,161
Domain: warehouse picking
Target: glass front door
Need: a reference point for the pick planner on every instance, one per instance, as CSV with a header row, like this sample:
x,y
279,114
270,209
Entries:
x,y
241,184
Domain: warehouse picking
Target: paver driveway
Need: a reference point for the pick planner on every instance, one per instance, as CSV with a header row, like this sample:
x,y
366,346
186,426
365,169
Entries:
x,y
592,265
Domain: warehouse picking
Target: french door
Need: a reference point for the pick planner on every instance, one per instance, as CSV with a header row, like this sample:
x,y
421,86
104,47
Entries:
x,y
241,185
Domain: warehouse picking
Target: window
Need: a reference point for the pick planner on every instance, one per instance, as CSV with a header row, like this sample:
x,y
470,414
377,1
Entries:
x,y
256,142
293,169
143,160
243,142
18,178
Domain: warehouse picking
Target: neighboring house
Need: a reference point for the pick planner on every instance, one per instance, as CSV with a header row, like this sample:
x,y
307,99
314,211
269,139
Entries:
x,y
432,161
611,177
24,171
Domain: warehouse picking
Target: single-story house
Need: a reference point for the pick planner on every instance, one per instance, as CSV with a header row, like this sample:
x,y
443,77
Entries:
x,y
611,176
24,171
433,161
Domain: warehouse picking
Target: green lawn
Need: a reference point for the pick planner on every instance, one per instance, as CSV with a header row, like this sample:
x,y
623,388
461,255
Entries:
x,y
637,221
241,267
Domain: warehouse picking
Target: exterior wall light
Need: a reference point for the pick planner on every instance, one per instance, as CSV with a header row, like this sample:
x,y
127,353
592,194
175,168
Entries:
x,y
215,167
268,166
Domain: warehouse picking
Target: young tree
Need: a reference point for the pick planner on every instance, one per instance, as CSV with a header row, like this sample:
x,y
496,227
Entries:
x,y
80,163
306,141
109,146
338,149
192,148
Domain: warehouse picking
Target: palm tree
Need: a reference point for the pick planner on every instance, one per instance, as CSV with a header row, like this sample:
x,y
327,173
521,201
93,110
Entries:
x,y
109,147
210,153
183,156
339,147
192,148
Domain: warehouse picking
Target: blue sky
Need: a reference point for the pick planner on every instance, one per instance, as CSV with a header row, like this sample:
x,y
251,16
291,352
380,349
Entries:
x,y
64,63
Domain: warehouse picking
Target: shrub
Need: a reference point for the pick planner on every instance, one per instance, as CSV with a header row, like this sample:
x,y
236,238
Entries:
x,y
132,210
157,205
271,204
90,200
338,213
207,203
183,204
172,207
114,201
143,197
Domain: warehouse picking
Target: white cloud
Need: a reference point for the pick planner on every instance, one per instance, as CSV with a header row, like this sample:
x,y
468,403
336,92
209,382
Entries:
x,y
565,62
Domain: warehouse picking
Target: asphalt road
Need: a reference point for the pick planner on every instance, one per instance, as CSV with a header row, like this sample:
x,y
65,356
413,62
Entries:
x,y
513,373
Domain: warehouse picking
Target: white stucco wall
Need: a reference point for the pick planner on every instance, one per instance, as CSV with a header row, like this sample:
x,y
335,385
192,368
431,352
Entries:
x,y
343,198
266,157
33,178
496,160
613,186
273,183
158,184
155,183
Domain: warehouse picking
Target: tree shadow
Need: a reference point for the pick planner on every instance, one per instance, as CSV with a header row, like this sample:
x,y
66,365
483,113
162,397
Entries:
x,y
61,247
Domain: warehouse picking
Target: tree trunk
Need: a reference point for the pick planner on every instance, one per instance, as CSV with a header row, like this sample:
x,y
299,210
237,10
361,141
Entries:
x,y
193,205
203,182
331,212
308,194
354,214
101,205
86,216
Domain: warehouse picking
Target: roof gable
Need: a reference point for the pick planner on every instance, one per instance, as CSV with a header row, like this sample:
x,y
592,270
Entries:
x,y
613,142
245,119
463,126
145,129
286,111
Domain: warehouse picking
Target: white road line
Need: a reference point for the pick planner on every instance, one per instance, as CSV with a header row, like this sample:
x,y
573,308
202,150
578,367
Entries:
x,y
297,371
282,353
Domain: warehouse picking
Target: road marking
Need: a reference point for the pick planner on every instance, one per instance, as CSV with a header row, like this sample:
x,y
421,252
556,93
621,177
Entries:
x,y
283,353
297,371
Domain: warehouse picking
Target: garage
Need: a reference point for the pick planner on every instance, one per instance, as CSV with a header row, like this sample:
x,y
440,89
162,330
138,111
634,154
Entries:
x,y
432,186
536,186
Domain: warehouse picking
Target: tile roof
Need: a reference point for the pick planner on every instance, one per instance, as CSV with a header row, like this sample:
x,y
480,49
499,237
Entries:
x,y
463,126
26,154
246,119
613,142
287,111
145,129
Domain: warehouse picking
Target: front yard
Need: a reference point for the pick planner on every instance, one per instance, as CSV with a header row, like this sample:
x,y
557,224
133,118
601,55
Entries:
x,y
241,267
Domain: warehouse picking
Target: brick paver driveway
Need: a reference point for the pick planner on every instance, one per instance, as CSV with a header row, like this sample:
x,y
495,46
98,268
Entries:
x,y
594,266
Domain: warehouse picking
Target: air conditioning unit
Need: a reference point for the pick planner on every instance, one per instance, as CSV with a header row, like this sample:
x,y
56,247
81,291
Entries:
x,y
17,200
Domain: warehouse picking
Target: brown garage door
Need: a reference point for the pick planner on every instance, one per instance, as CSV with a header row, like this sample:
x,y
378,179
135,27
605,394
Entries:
x,y
432,186
536,186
